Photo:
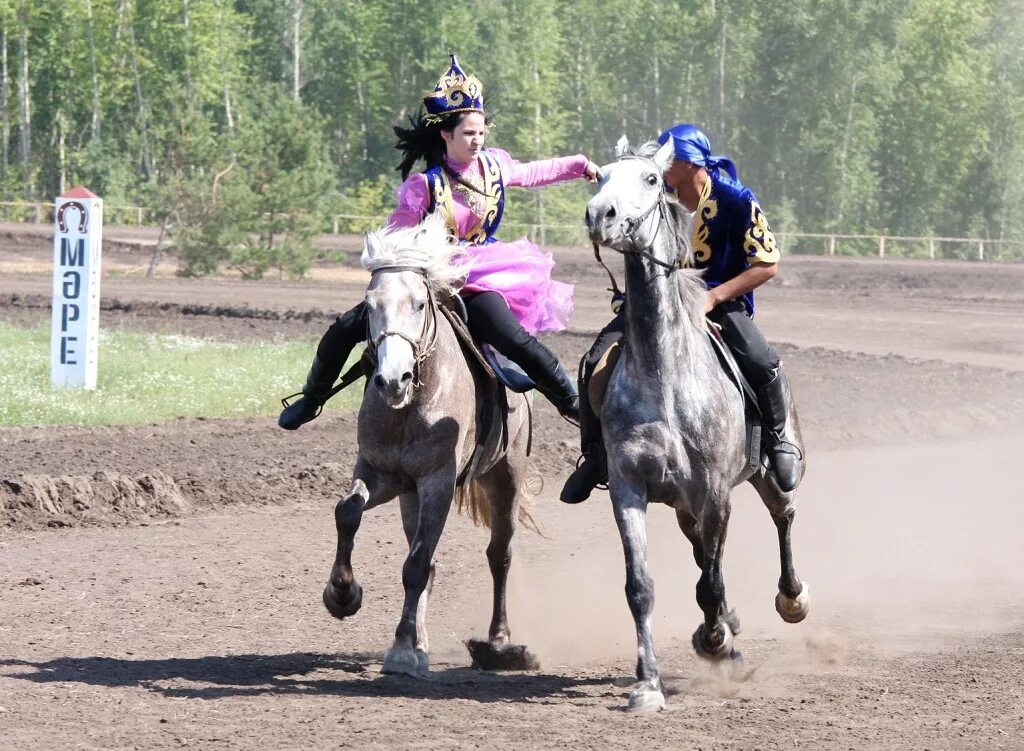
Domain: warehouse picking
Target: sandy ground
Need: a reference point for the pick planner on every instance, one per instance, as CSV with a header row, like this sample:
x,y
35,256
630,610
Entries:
x,y
160,585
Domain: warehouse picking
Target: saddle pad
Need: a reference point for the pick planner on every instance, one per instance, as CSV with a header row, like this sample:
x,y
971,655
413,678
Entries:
x,y
602,375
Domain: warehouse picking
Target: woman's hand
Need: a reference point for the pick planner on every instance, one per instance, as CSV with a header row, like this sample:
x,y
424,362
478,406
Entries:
x,y
592,172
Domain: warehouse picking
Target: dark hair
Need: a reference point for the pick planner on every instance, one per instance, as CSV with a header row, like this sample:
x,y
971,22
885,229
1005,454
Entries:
x,y
422,139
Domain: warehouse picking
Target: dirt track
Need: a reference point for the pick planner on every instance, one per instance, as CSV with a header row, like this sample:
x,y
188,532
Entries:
x,y
197,621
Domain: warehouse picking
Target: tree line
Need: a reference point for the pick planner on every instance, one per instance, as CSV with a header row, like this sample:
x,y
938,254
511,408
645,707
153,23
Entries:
x,y
245,123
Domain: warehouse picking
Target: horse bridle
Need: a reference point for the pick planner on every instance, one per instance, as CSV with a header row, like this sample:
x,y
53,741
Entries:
x,y
634,223
420,351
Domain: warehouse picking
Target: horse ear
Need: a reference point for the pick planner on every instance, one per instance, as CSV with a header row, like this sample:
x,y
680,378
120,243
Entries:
x,y
621,146
663,157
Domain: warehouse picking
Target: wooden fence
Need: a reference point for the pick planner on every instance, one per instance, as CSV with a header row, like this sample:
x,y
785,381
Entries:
x,y
804,243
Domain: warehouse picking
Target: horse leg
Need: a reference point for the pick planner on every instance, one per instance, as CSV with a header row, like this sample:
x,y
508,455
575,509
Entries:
x,y
648,693
688,524
410,505
793,600
435,495
713,638
498,653
343,596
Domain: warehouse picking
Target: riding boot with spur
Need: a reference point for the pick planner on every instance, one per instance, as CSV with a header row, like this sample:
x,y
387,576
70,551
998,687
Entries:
x,y
593,470
784,455
316,391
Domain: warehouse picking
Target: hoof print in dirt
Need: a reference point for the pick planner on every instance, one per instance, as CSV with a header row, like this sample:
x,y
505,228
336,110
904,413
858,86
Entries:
x,y
490,656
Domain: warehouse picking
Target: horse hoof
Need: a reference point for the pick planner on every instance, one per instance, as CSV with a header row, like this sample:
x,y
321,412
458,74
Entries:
x,y
489,655
710,647
404,661
794,610
643,698
341,603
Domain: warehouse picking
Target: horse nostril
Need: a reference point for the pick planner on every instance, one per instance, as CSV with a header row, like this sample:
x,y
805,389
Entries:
x,y
378,381
406,376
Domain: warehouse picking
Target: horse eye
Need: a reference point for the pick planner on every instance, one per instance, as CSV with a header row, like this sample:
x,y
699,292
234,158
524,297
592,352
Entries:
x,y
420,307
652,180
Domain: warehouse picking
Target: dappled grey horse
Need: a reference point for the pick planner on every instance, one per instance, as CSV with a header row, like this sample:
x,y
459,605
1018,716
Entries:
x,y
674,423
417,430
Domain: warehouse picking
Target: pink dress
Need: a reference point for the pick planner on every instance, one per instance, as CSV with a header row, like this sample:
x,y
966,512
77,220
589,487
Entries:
x,y
519,271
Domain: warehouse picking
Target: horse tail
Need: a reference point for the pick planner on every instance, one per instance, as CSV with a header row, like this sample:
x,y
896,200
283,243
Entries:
x,y
471,500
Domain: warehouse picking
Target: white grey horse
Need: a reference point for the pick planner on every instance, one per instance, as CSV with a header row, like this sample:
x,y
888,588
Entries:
x,y
673,422
417,429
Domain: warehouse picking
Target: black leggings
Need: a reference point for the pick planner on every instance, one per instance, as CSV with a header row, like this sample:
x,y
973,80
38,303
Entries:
x,y
348,330
756,357
490,320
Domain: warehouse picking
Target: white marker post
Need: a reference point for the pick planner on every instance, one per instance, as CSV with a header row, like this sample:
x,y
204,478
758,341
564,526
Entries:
x,y
77,243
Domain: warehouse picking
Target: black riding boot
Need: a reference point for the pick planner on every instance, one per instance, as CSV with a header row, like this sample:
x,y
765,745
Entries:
x,y
318,386
491,321
784,455
332,353
558,388
593,471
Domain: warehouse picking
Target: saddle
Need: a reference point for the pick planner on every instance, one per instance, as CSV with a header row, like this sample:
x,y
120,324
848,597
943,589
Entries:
x,y
498,374
751,407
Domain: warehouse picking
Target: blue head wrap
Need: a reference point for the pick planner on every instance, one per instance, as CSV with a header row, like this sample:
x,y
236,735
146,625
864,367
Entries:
x,y
691,145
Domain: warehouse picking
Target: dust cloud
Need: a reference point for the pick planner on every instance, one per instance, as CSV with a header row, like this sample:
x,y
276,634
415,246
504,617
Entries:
x,y
902,547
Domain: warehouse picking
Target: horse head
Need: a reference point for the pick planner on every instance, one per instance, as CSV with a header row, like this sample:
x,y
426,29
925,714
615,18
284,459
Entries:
x,y
630,192
409,268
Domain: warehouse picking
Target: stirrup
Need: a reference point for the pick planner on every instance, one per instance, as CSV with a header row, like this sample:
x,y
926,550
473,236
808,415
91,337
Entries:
x,y
599,485
286,403
569,420
796,450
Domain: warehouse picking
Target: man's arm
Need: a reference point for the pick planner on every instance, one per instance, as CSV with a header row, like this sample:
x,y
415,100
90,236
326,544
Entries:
x,y
752,278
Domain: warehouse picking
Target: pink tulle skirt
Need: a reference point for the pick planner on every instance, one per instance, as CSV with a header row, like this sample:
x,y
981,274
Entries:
x,y
521,273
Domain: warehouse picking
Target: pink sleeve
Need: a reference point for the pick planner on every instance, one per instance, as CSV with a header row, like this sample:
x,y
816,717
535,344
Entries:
x,y
542,172
412,202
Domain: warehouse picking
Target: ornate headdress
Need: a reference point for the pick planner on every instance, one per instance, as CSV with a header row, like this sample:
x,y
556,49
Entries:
x,y
456,91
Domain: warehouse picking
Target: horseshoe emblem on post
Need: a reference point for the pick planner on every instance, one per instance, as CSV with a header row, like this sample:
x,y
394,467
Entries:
x,y
83,216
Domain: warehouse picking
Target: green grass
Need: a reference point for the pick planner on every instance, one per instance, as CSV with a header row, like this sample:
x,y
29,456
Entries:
x,y
148,378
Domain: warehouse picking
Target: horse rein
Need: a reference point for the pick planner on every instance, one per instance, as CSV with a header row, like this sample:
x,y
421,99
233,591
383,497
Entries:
x,y
420,352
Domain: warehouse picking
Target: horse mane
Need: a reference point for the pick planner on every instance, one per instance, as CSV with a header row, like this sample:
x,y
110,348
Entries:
x,y
427,247
690,280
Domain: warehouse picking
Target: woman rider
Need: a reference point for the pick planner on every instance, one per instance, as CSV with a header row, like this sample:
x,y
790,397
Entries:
x,y
509,293
734,245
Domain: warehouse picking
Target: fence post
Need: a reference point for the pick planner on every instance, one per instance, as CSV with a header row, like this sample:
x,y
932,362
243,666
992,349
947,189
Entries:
x,y
138,216
831,245
981,250
881,246
931,248
38,212
334,224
